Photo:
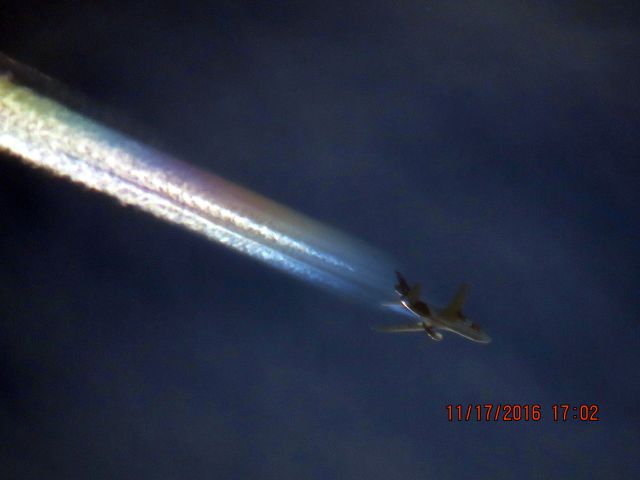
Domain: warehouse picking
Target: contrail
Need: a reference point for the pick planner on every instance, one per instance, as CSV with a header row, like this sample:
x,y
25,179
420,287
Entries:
x,y
46,134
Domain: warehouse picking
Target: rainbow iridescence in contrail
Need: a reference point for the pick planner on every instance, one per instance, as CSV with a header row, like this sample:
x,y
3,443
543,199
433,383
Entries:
x,y
46,134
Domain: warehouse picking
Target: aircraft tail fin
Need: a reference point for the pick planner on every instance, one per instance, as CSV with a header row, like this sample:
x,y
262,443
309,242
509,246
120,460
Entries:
x,y
411,293
454,309
402,287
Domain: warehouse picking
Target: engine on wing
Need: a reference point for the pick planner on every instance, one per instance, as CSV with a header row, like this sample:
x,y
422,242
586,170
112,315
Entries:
x,y
437,336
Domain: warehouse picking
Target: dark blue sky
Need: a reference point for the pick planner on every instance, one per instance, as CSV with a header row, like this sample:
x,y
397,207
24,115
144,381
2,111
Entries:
x,y
488,142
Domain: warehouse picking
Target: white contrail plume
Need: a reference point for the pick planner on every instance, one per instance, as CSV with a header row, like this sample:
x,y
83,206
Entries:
x,y
46,134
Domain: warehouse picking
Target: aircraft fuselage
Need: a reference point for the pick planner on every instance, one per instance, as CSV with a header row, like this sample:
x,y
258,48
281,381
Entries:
x,y
435,321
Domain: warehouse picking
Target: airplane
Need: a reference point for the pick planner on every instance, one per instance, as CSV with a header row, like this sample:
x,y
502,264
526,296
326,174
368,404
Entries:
x,y
432,318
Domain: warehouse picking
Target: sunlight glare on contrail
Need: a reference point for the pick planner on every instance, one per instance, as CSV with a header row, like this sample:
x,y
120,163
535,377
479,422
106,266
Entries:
x,y
46,134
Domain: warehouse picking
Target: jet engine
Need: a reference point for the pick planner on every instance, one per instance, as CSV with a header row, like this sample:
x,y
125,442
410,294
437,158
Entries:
x,y
436,336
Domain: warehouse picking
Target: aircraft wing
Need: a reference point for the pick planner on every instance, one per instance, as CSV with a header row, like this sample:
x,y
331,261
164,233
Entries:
x,y
407,327
454,309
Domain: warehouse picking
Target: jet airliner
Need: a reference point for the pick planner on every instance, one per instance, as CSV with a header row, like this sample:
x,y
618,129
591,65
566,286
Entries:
x,y
432,318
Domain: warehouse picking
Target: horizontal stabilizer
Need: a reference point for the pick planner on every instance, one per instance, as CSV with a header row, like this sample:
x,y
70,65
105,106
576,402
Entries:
x,y
395,307
414,294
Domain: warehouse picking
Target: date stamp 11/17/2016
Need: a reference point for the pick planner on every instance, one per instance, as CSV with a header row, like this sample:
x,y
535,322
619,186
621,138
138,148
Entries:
x,y
516,412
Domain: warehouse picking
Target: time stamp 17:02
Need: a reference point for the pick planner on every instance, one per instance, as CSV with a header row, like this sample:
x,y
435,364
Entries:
x,y
517,412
